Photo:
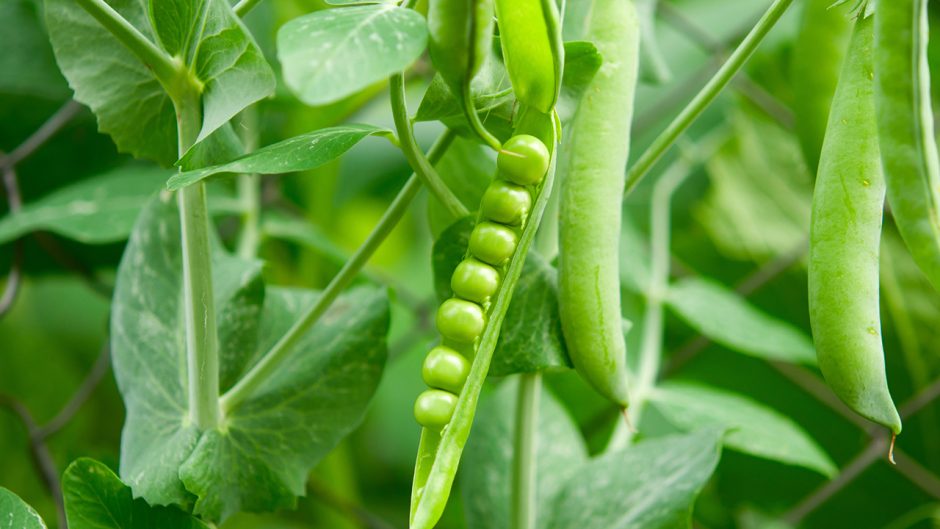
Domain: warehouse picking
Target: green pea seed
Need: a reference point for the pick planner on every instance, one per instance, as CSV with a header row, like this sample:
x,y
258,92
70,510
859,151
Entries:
x,y
524,160
434,408
492,243
460,320
506,203
474,281
445,369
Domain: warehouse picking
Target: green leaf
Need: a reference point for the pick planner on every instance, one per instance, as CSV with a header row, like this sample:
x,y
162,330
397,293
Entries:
x,y
758,204
752,427
259,459
96,499
16,514
486,474
726,318
299,153
652,485
101,209
130,102
330,54
531,338
98,210
26,62
582,60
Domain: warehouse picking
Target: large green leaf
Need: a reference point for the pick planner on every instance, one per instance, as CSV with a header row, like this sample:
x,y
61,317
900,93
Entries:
x,y
330,54
129,101
101,209
299,153
651,485
16,514
531,336
728,319
487,462
26,62
95,211
260,457
752,427
96,499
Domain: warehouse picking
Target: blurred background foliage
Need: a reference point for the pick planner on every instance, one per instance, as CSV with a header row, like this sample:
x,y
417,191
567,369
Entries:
x,y
741,216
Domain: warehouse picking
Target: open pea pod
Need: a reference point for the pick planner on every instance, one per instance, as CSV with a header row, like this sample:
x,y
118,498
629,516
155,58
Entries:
x,y
440,449
530,35
905,128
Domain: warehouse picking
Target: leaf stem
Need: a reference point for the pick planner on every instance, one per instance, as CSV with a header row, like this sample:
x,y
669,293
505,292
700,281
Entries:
x,y
419,163
525,449
708,94
202,343
476,124
244,6
392,216
249,193
168,70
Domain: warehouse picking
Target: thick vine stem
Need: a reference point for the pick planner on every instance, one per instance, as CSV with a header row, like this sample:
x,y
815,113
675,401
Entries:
x,y
202,343
168,70
525,451
273,358
416,159
708,94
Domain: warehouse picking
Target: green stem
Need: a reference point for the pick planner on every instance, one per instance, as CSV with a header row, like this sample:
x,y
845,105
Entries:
x,y
419,163
524,470
249,193
168,70
244,6
651,348
708,94
273,358
202,346
474,119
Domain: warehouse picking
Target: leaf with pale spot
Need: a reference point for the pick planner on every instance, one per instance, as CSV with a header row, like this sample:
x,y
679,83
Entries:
x,y
259,458
16,514
330,54
652,485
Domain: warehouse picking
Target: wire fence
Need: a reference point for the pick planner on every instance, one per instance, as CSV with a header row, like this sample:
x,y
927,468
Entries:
x,y
873,453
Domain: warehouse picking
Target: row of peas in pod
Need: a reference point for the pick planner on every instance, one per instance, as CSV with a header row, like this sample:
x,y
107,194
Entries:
x,y
522,163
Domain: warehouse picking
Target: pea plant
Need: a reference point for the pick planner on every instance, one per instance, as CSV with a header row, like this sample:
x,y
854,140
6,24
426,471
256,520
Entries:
x,y
553,344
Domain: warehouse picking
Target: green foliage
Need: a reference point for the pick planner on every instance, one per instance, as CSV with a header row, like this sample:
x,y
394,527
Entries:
x,y
16,514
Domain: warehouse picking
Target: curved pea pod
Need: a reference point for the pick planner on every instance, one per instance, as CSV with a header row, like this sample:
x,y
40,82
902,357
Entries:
x,y
905,129
817,60
596,148
461,32
845,234
530,35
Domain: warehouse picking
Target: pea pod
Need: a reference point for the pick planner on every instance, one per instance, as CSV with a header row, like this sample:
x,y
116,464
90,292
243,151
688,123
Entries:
x,y
530,35
596,149
461,32
446,427
905,128
847,212
817,60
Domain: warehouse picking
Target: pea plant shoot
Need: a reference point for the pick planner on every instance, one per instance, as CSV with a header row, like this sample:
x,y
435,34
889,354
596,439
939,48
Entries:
x,y
469,264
